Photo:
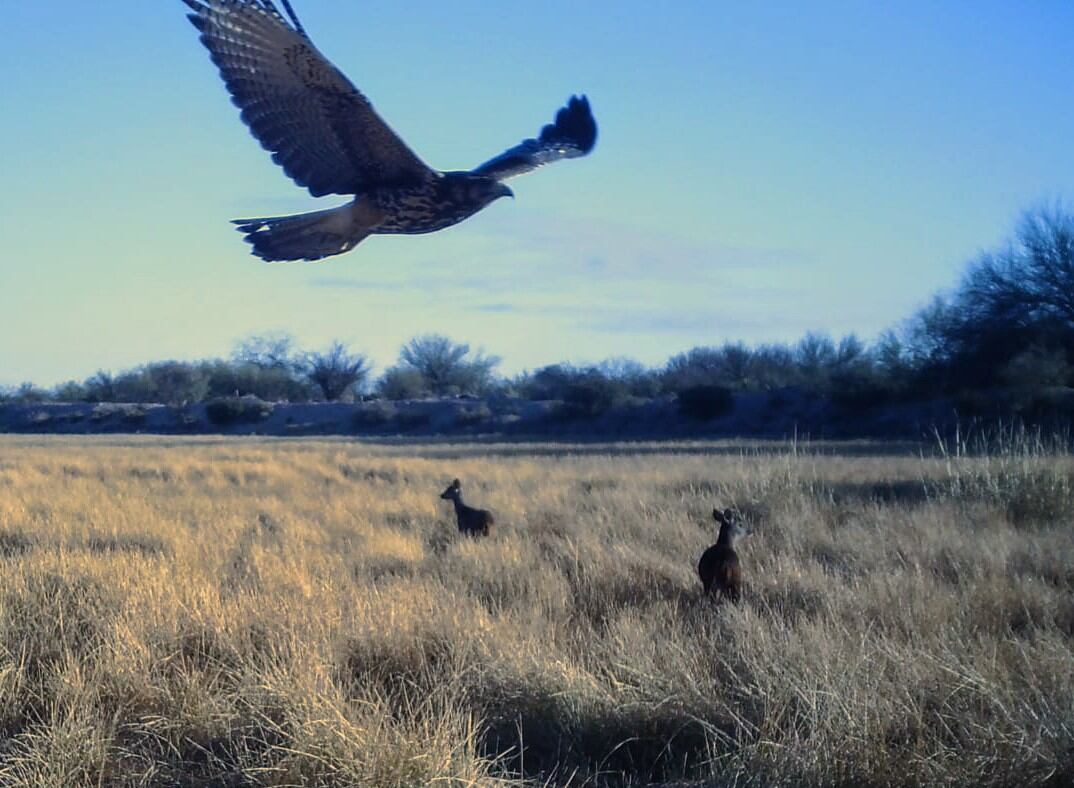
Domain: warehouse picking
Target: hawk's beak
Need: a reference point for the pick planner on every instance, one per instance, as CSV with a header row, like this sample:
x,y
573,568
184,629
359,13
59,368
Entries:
x,y
506,192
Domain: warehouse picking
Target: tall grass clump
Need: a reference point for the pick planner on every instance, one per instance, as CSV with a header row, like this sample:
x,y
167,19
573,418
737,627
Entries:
x,y
1024,471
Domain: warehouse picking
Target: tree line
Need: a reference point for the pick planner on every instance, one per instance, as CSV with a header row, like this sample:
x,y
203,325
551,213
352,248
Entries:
x,y
1003,337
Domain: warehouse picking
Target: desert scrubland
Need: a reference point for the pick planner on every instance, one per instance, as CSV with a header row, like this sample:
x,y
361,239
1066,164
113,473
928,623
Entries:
x,y
245,612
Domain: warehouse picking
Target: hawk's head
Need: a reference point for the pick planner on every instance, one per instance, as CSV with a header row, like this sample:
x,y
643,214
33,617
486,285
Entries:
x,y
476,191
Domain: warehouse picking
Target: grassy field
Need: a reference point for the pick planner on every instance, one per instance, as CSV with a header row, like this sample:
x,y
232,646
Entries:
x,y
284,613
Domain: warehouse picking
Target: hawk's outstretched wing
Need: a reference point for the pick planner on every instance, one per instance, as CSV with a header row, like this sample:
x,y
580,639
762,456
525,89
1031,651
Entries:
x,y
572,135
318,126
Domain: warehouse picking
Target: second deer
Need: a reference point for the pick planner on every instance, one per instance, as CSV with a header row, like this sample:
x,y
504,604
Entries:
x,y
472,522
719,567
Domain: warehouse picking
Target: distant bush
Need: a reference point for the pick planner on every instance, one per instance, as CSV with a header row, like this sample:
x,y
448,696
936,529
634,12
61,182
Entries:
x,y
413,420
474,416
547,383
167,382
400,383
226,411
705,402
134,416
337,372
592,395
374,415
859,393
448,368
129,415
242,379
274,350
27,394
40,419
731,364
71,391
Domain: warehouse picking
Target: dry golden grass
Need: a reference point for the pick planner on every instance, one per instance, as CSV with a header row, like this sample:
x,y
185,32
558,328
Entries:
x,y
280,613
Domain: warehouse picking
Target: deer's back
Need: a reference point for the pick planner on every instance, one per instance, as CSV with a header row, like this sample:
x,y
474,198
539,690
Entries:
x,y
475,521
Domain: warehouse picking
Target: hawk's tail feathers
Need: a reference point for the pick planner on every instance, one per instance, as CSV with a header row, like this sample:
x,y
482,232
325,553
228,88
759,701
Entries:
x,y
306,236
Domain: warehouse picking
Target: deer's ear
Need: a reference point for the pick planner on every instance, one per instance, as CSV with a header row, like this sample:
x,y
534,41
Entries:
x,y
717,515
457,484
728,514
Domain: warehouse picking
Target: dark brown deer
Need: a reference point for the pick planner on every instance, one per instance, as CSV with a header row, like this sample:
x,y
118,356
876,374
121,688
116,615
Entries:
x,y
472,522
719,568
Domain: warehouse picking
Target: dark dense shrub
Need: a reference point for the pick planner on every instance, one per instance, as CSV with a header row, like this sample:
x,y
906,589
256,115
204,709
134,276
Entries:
x,y
134,417
729,365
228,411
26,394
271,384
374,415
859,392
474,416
72,391
592,395
565,381
705,402
413,420
547,383
166,382
635,378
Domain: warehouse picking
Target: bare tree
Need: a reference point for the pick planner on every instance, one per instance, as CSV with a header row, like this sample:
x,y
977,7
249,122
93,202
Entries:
x,y
274,350
337,372
448,367
1032,280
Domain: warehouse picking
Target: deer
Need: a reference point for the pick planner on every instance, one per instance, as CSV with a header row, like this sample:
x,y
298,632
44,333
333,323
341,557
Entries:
x,y
719,568
472,522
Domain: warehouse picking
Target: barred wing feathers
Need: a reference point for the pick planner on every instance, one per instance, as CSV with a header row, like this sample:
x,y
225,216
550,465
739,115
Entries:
x,y
573,134
317,125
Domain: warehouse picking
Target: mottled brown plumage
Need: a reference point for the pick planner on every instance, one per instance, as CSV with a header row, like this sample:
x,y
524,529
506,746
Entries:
x,y
327,137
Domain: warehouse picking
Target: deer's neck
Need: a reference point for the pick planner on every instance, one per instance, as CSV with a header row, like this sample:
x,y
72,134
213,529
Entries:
x,y
726,539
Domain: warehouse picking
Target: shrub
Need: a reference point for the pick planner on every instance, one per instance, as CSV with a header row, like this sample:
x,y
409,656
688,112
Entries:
x,y
337,372
168,382
29,394
1014,468
134,416
72,391
413,420
271,384
592,395
706,402
547,383
859,393
226,411
374,415
446,367
474,416
400,383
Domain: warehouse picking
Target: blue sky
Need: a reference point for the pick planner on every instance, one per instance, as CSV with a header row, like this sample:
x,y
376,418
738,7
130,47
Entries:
x,y
763,170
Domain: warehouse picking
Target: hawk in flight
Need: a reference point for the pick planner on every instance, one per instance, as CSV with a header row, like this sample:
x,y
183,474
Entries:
x,y
327,137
